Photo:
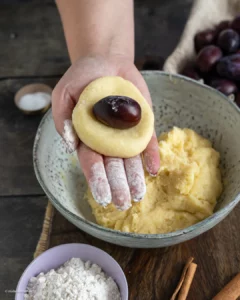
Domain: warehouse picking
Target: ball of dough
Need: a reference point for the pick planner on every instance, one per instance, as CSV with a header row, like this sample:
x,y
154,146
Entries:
x,y
102,138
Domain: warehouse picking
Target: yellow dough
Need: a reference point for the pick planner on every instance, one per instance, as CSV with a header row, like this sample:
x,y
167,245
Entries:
x,y
184,192
104,139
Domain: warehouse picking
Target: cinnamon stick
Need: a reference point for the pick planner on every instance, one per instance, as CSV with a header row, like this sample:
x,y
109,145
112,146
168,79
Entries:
x,y
186,279
231,291
187,282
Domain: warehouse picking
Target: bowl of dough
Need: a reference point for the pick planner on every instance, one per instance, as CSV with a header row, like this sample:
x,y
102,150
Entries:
x,y
198,182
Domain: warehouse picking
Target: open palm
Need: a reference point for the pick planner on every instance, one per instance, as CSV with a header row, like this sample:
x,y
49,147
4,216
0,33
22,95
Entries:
x,y
110,179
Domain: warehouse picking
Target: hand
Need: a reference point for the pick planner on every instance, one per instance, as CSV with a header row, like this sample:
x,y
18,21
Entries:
x,y
110,179
203,16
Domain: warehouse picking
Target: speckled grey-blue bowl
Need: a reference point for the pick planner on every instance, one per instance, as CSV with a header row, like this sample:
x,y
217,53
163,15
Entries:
x,y
177,101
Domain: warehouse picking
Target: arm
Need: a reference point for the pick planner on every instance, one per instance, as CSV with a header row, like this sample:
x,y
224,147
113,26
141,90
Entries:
x,y
94,27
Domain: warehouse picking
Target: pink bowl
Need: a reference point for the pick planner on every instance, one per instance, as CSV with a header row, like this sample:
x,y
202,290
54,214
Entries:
x,y
55,257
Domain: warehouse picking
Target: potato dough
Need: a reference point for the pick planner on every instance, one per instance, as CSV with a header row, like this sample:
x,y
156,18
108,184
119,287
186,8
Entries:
x,y
184,192
102,138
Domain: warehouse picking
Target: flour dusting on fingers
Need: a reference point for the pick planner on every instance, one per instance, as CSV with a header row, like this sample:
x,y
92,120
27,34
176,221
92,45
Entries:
x,y
151,157
117,179
70,137
99,185
135,177
149,164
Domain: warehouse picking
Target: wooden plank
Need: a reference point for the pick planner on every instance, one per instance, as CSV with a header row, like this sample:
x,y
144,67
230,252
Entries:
x,y
158,26
33,40
17,135
154,273
33,43
21,223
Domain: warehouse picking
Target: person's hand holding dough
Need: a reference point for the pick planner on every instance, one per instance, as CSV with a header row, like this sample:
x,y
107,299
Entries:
x,y
99,47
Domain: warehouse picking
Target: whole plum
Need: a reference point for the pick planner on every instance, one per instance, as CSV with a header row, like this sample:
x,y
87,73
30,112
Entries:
x,y
208,57
237,99
222,26
118,112
228,41
235,24
191,72
229,67
204,38
225,86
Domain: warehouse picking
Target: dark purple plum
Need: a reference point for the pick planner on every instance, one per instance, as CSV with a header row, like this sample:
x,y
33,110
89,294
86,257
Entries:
x,y
237,99
208,57
191,72
224,86
211,75
229,67
235,24
117,112
204,38
222,26
228,41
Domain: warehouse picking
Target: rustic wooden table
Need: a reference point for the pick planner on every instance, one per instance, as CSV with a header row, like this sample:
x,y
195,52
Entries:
x,y
33,50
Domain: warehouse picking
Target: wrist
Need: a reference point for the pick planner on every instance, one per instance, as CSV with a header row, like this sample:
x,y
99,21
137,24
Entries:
x,y
106,51
102,27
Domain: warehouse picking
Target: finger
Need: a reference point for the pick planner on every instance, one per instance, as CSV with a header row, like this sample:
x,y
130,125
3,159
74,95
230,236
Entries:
x,y
95,174
135,177
117,179
151,156
62,107
151,153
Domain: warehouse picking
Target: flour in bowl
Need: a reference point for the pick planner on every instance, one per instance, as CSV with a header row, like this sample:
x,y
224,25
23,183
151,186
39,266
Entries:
x,y
75,280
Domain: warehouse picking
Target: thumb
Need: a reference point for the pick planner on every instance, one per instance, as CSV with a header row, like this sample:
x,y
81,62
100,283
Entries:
x,y
62,107
66,94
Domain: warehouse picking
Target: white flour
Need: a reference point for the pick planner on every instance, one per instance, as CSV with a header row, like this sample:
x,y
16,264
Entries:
x,y
75,280
99,185
135,177
117,179
70,137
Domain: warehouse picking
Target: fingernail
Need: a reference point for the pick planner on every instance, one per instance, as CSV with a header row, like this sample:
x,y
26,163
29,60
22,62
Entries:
x,y
152,175
69,136
139,197
124,207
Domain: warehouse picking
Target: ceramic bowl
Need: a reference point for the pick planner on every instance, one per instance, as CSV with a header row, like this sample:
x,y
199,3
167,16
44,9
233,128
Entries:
x,y
177,101
57,256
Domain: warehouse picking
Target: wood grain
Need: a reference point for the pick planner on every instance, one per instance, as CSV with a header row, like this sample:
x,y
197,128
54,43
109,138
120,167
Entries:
x,y
20,226
16,141
33,40
34,44
154,273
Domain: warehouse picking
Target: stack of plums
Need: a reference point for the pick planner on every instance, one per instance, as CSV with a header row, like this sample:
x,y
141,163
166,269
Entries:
x,y
218,58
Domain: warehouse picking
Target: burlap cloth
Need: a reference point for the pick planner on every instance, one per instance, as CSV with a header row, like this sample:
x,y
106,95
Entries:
x,y
204,14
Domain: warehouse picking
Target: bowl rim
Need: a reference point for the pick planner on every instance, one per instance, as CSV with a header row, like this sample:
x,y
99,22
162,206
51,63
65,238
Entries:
x,y
67,246
95,226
